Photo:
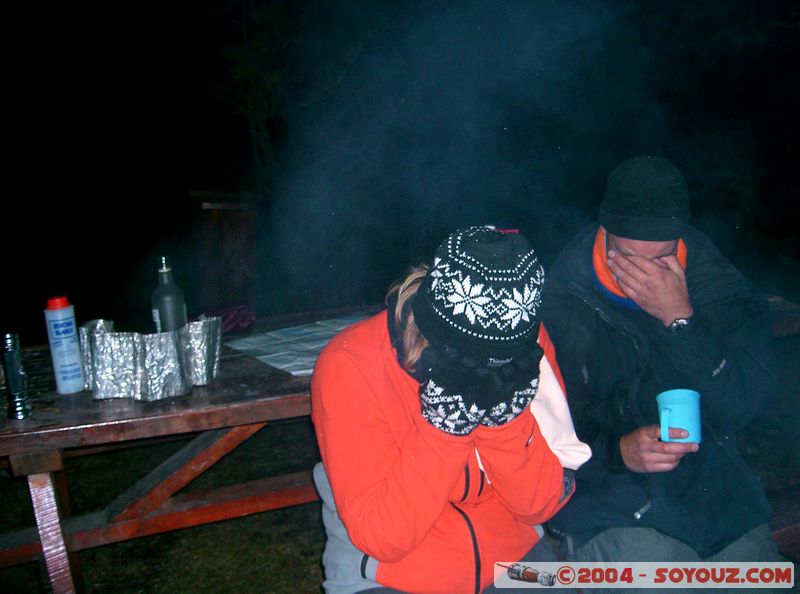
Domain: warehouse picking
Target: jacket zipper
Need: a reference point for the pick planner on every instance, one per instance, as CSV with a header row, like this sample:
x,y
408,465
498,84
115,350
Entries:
x,y
631,334
466,482
476,552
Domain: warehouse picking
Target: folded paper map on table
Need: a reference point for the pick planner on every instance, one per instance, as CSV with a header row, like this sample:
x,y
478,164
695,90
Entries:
x,y
294,349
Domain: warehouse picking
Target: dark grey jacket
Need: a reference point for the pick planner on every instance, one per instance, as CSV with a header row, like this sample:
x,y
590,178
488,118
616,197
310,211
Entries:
x,y
615,360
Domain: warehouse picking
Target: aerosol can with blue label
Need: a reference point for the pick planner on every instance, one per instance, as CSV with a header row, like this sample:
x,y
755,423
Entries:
x,y
65,346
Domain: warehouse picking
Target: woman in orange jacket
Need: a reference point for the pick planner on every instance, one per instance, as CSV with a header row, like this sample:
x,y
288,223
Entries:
x,y
444,432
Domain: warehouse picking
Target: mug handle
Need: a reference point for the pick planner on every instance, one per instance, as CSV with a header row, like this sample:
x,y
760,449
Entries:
x,y
665,424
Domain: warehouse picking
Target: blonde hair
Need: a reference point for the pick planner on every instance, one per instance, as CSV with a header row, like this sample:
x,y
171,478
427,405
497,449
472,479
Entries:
x,y
405,289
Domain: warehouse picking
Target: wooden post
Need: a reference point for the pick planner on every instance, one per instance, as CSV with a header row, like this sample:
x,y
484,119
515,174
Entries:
x,y
51,536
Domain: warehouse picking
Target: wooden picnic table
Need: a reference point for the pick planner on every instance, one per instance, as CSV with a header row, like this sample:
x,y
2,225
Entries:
x,y
246,396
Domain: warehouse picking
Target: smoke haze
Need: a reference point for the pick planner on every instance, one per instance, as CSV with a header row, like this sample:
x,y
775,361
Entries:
x,y
414,119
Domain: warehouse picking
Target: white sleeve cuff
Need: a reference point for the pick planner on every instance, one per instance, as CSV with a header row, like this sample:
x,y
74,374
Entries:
x,y
550,409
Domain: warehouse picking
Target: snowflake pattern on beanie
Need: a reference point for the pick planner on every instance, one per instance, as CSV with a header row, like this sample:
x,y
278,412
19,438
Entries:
x,y
487,305
501,302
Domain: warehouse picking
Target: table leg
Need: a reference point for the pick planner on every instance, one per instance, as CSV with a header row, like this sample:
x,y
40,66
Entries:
x,y
65,512
48,524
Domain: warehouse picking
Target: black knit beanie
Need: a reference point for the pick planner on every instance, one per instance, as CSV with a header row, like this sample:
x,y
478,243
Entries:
x,y
478,307
481,296
646,198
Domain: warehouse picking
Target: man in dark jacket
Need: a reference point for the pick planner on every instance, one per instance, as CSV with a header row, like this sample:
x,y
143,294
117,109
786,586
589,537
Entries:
x,y
638,304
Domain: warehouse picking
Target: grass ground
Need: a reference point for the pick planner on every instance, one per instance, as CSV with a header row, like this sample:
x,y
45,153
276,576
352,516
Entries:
x,y
280,551
276,551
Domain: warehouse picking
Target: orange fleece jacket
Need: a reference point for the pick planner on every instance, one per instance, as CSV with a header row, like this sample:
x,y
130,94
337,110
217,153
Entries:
x,y
416,498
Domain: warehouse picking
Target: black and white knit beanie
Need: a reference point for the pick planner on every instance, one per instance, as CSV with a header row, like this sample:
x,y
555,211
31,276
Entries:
x,y
478,307
481,296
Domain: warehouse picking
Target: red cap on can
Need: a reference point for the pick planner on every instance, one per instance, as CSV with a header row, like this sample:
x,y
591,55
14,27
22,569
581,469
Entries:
x,y
57,302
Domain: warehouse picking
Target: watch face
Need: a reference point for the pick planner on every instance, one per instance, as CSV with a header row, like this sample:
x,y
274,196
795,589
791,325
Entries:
x,y
679,325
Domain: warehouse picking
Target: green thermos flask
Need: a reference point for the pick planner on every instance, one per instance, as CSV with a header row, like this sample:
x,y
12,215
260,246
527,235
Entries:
x,y
168,301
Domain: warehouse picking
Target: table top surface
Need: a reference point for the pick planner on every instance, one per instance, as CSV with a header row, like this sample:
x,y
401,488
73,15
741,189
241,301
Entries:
x,y
246,391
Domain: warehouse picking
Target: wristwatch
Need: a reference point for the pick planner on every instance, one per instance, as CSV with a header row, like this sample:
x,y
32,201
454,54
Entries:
x,y
679,325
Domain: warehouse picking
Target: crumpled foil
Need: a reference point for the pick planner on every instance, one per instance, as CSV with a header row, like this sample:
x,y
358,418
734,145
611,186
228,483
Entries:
x,y
87,352
152,366
164,367
203,348
118,362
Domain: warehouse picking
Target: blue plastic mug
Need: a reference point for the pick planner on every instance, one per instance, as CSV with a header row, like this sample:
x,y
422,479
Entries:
x,y
681,409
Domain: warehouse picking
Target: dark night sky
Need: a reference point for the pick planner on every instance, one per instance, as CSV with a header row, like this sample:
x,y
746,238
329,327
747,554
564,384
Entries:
x,y
384,125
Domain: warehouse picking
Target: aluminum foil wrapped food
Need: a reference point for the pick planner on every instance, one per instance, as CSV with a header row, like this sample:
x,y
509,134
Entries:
x,y
85,332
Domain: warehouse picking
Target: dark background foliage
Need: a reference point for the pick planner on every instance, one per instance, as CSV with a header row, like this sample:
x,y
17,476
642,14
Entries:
x,y
363,132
